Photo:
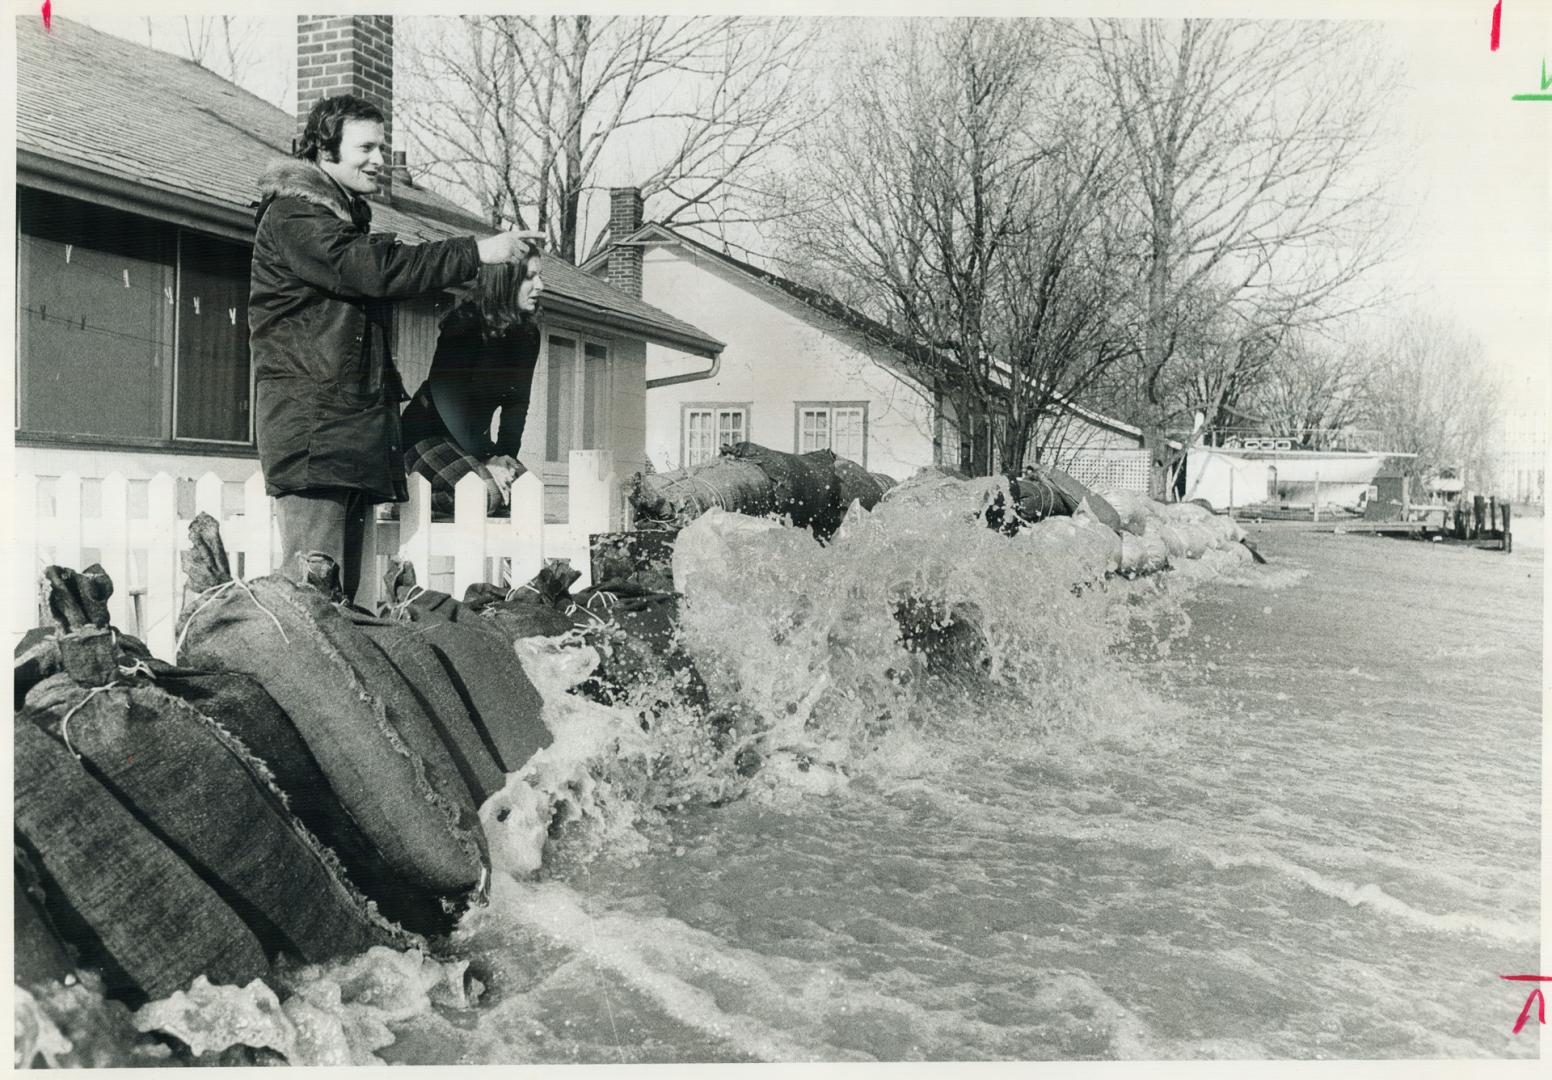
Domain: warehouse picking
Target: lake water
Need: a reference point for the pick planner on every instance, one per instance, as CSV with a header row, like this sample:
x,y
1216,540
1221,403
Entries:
x,y
1286,811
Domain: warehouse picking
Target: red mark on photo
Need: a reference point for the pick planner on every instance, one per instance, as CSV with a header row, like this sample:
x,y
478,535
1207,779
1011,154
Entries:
x,y
1497,22
1536,998
48,15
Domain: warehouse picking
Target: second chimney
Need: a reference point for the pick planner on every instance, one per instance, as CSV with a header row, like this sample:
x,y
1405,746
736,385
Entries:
x,y
347,54
624,270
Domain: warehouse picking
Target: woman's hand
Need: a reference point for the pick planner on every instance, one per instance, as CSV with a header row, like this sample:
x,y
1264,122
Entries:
x,y
505,469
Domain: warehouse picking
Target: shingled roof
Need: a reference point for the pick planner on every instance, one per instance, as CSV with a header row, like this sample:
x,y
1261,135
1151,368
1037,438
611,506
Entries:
x,y
154,133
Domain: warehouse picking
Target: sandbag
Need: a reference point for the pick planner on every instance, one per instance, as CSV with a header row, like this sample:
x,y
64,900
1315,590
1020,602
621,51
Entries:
x,y
1173,541
198,790
1133,509
39,955
859,485
359,720
637,640
682,495
1071,493
242,706
802,485
530,609
404,647
408,602
125,901
1197,539
1134,555
504,705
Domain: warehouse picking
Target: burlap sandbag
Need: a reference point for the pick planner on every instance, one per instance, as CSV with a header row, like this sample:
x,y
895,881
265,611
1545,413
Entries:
x,y
242,706
636,636
199,791
504,705
859,485
682,495
128,905
803,485
348,705
528,610
412,657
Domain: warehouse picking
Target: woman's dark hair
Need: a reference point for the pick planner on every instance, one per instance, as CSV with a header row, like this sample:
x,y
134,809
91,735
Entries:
x,y
492,297
326,124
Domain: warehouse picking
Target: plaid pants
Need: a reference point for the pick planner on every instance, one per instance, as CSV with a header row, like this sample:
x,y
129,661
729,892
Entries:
x,y
443,464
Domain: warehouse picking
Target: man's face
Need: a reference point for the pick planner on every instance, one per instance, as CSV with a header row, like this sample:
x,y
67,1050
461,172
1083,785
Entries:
x,y
360,157
530,287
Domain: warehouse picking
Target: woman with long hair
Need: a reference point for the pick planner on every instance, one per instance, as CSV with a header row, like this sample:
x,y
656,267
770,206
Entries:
x,y
486,353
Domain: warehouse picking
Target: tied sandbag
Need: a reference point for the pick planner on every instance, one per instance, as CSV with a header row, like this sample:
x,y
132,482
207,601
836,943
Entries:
x,y
802,485
403,646
636,635
639,559
200,792
408,602
359,720
242,706
682,495
1134,510
858,485
1072,494
125,901
1173,541
530,610
39,953
484,671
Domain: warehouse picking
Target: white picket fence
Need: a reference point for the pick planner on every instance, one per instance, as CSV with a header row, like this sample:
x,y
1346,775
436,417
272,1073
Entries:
x,y
141,553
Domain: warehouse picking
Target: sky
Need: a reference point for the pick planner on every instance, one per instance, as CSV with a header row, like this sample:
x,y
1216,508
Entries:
x,y
1472,169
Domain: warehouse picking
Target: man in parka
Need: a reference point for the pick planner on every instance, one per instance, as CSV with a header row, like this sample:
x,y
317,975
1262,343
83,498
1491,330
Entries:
x,y
327,408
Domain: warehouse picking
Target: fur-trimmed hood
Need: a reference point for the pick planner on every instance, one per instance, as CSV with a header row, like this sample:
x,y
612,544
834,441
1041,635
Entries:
x,y
299,179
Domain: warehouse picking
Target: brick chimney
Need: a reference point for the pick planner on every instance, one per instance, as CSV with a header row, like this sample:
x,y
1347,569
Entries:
x,y
347,54
624,270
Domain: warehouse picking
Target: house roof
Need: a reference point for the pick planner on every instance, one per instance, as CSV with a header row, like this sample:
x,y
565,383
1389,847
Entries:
x,y
828,305
156,134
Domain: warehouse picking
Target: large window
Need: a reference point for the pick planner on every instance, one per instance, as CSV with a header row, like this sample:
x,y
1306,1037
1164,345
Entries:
x,y
708,428
128,329
838,426
576,397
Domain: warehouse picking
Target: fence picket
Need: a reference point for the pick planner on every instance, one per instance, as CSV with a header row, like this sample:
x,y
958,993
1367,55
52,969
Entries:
x,y
468,533
113,543
525,528
251,537
65,528
161,603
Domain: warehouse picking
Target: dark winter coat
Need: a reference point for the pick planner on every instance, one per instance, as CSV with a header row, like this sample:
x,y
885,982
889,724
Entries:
x,y
319,321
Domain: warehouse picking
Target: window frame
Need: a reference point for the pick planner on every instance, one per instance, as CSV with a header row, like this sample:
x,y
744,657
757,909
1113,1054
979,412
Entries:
x,y
800,407
603,421
166,438
716,409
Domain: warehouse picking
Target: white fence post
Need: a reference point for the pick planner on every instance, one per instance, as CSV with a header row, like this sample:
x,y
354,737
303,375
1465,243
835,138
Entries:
x,y
589,505
161,606
525,528
468,533
415,528
114,544
66,526
27,565
258,510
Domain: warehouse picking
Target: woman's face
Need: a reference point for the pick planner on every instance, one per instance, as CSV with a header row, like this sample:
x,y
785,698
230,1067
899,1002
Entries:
x,y
530,287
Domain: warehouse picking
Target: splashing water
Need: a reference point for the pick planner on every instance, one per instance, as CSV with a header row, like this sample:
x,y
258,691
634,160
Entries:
x,y
1230,811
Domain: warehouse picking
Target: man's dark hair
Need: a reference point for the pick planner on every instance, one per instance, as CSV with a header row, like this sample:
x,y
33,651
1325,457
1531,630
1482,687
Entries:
x,y
326,124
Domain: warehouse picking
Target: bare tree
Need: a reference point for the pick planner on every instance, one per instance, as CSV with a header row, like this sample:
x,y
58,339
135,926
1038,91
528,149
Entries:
x,y
529,115
959,190
1248,142
1429,394
228,45
1314,392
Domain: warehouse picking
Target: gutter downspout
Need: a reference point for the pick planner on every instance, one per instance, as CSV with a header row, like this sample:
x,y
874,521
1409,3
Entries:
x,y
689,376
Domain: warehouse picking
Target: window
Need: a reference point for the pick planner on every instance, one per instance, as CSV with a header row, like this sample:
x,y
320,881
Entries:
x,y
576,397
128,329
708,428
838,426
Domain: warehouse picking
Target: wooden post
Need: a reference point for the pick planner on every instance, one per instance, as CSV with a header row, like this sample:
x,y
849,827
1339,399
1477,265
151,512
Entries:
x,y
162,599
415,528
1508,536
525,546
115,543
469,503
67,521
1478,516
258,509
1315,506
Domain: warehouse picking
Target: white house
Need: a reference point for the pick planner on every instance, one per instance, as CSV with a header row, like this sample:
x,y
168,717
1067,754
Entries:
x,y
802,371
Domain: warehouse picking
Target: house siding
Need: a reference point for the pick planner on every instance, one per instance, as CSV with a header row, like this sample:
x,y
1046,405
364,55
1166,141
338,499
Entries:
x,y
778,354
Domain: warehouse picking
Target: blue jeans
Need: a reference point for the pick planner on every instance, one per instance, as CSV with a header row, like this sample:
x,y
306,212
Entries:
x,y
331,523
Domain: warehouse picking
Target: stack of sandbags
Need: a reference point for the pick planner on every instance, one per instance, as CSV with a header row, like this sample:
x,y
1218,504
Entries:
x,y
815,490
172,793
1134,510
365,727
